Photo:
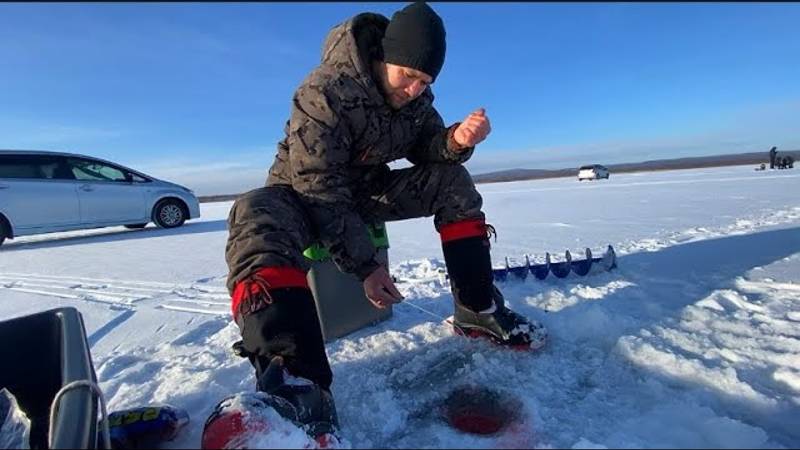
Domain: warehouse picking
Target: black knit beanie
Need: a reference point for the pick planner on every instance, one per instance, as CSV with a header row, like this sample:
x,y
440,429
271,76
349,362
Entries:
x,y
415,38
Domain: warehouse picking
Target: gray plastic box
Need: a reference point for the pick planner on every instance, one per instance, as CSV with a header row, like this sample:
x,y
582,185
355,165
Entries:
x,y
342,305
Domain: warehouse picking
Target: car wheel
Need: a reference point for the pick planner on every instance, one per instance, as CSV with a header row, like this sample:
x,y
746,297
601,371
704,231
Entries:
x,y
169,214
4,232
136,226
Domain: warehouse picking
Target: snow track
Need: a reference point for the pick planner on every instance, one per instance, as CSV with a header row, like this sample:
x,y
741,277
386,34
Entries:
x,y
192,297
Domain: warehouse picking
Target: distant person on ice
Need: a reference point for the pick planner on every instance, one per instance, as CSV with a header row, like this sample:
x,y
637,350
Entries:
x,y
772,153
369,102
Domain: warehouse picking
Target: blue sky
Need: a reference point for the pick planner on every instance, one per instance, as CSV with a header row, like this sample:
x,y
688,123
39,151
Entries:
x,y
199,92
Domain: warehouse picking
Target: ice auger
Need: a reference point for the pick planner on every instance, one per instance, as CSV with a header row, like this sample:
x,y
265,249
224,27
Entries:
x,y
560,269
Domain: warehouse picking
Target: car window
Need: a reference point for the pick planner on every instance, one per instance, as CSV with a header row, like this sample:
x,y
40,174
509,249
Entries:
x,y
48,168
138,179
60,169
89,170
20,166
54,168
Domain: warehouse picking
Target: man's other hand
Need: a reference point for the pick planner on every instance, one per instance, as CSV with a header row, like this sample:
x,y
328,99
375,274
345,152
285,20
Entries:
x,y
473,130
380,289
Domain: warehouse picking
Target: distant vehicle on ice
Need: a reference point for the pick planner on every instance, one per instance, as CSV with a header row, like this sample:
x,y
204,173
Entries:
x,y
593,172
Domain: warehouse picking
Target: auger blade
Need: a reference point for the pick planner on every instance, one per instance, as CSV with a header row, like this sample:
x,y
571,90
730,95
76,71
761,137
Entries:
x,y
583,267
562,269
501,274
521,272
608,261
540,271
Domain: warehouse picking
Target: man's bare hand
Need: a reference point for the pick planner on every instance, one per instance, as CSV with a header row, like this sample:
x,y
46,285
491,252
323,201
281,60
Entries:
x,y
473,130
380,289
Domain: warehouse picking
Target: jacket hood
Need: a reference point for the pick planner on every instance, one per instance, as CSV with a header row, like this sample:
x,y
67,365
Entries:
x,y
353,44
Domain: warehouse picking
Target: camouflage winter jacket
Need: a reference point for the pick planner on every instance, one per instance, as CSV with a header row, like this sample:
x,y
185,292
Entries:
x,y
341,127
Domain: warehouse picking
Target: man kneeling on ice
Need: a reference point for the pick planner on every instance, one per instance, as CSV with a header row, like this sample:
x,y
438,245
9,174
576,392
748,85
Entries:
x,y
368,103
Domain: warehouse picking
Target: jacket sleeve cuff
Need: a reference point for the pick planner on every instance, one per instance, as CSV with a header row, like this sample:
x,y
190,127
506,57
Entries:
x,y
366,269
456,151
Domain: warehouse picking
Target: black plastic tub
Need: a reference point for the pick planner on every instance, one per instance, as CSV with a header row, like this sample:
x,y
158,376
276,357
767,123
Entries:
x,y
40,354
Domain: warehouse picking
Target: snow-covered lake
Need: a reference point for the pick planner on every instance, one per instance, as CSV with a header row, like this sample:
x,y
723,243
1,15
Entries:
x,y
694,341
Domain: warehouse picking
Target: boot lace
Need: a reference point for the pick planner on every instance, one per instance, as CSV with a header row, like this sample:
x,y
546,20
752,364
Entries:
x,y
256,294
491,231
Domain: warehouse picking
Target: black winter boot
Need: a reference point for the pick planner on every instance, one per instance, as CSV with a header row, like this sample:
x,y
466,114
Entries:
x,y
244,421
286,326
502,325
313,404
479,306
281,337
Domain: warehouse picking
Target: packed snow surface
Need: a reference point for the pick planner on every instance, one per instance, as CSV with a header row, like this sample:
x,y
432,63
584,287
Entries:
x,y
693,341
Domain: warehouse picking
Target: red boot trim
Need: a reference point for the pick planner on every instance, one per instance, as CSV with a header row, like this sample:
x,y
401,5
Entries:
x,y
264,279
462,230
473,333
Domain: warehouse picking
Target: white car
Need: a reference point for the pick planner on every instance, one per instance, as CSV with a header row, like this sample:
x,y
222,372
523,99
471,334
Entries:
x,y
45,192
593,172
